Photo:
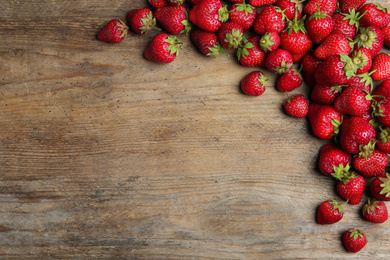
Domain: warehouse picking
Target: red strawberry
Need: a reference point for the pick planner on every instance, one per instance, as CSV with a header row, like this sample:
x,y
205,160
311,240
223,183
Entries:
x,y
289,81
173,19
375,211
289,8
158,3
362,59
250,54
335,70
380,187
141,20
175,2
324,120
354,240
386,35
346,24
206,42
382,91
370,38
209,15
309,66
254,84
363,82
381,66
269,41
230,35
353,101
350,186
325,6
382,111
269,19
329,212
355,131
383,140
244,14
319,25
115,31
258,3
163,49
194,2
235,1
346,5
333,44
297,106
325,95
279,61
332,156
370,162
374,15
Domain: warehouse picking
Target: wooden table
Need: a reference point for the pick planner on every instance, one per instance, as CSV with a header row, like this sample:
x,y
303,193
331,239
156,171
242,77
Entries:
x,y
104,154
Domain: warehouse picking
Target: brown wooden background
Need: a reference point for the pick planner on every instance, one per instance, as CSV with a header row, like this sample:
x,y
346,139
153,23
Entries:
x,y
106,155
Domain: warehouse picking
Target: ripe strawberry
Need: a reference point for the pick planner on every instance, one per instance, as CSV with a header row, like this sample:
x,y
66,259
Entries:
x,y
355,131
175,2
333,44
141,20
258,3
325,6
346,24
362,59
383,140
269,41
370,162
324,120
244,14
374,15
382,111
209,15
386,35
289,8
269,19
235,1
332,156
158,3
380,187
370,38
325,95
173,19
350,186
289,81
319,25
254,83
250,54
363,82
279,61
296,106
354,240
309,66
329,212
115,31
375,211
164,48
382,91
381,66
353,101
346,5
206,42
230,35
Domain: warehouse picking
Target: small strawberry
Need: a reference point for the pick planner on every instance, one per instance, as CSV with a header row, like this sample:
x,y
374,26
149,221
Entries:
x,y
141,20
362,59
355,131
325,95
380,187
206,42
164,48
333,44
158,3
386,36
269,41
115,31
354,240
279,61
325,6
249,54
173,19
346,24
254,83
370,162
319,25
209,15
296,106
244,14
175,2
353,101
331,157
383,140
269,19
375,211
230,35
382,111
374,15
329,212
350,186
370,38
324,120
346,5
381,66
289,81
258,3
289,8
309,66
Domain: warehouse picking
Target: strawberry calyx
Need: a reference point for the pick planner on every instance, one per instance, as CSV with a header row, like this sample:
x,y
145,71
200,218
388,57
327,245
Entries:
x,y
149,22
284,67
337,206
266,41
318,15
343,173
223,14
381,8
355,233
366,150
367,80
262,79
234,38
216,50
385,185
365,38
247,8
174,45
384,135
371,206
296,25
360,59
336,126
353,17
242,51
187,25
350,67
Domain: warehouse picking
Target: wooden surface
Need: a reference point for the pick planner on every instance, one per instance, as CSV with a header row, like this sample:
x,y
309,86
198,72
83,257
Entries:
x,y
106,155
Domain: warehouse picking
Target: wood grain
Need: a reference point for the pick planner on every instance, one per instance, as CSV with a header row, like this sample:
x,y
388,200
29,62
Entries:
x,y
106,155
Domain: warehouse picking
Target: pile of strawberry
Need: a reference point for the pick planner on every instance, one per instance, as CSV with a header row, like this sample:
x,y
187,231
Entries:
x,y
338,47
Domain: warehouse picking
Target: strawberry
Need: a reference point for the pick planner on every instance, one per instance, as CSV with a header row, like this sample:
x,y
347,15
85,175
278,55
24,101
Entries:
x,y
173,19
382,90
362,59
350,185
370,38
346,24
244,14
374,15
163,48
295,39
333,44
355,131
309,66
353,101
235,1
329,212
370,162
193,2
375,211
158,3
324,120
258,3
209,15
319,25
250,54
254,83
206,42
380,187
386,36
354,240
382,111
269,41
289,81
269,19
383,140
230,35
175,2
141,20
381,66
325,6
296,106
289,8
332,156
115,31
325,95
279,61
